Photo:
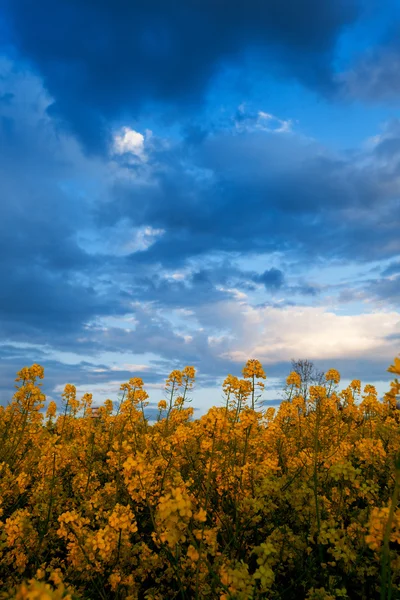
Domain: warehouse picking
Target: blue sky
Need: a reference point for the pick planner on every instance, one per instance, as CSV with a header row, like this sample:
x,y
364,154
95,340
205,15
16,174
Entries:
x,y
198,183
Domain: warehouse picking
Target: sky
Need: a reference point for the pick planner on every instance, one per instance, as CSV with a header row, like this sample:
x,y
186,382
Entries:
x,y
198,183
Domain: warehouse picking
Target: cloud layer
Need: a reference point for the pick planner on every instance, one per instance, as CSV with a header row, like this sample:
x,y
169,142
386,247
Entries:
x,y
102,60
204,234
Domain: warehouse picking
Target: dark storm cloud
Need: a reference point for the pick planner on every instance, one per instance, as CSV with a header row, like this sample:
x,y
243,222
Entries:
x,y
101,60
47,290
37,302
224,193
262,192
196,288
272,278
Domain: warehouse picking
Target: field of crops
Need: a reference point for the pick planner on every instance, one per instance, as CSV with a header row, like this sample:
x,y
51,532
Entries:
x,y
242,503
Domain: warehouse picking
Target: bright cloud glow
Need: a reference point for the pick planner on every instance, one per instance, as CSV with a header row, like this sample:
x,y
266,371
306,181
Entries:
x,y
272,334
129,141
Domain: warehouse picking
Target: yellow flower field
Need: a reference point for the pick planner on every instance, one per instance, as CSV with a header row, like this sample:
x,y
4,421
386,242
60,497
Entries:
x,y
242,503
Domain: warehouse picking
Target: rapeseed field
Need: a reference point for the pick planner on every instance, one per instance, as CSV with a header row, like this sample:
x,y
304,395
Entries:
x,y
242,503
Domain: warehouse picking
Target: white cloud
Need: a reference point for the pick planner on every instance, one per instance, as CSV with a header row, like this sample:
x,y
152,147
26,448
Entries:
x,y
129,367
261,120
264,115
119,240
129,141
142,238
237,294
274,334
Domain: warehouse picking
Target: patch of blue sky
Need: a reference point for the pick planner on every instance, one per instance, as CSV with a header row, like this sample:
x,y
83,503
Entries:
x,y
377,18
340,123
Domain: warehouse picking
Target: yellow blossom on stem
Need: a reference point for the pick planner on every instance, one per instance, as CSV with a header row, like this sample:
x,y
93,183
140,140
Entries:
x,y
332,375
395,367
294,379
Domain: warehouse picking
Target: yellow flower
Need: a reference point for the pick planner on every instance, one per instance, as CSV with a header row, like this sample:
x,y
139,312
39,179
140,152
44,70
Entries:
x,y
356,385
253,367
174,379
85,501
179,401
332,375
136,382
395,368
115,580
294,379
51,409
192,553
201,515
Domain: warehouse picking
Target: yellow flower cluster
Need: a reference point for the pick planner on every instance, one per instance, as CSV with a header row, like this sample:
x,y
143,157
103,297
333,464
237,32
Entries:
x,y
173,514
243,503
294,379
332,375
